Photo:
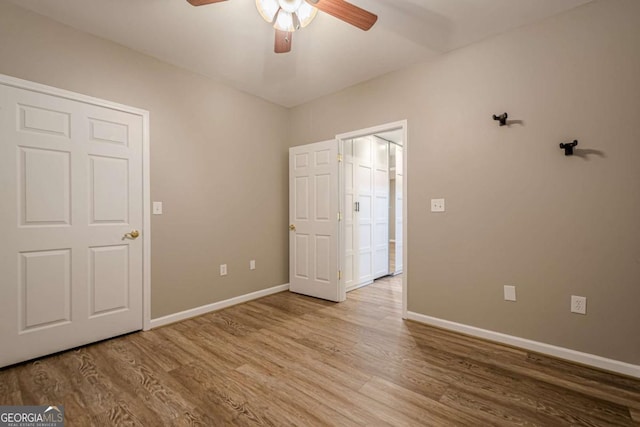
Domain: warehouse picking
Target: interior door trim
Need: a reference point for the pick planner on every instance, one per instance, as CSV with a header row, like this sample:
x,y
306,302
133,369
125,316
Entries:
x,y
146,176
402,125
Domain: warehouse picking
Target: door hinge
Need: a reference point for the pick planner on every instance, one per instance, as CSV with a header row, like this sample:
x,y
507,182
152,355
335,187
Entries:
x,y
339,157
339,216
339,274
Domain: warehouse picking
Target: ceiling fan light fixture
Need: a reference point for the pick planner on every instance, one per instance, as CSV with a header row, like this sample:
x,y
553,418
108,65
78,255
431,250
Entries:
x,y
286,16
306,13
267,9
284,21
290,5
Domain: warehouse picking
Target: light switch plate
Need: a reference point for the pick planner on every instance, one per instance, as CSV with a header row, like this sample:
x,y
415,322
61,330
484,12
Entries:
x,y
223,269
252,264
437,205
157,208
509,293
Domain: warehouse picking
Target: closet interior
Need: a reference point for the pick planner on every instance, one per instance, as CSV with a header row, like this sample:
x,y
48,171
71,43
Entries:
x,y
373,179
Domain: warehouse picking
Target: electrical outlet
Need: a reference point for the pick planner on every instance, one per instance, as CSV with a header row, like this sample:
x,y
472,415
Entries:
x,y
252,264
509,293
437,205
223,269
578,304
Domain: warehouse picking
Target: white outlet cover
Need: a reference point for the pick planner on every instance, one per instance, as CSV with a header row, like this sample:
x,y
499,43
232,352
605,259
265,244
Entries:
x,y
578,304
223,269
437,205
509,293
252,264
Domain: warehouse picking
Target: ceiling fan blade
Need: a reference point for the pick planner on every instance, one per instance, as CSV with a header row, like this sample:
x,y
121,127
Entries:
x,y
347,12
203,2
283,41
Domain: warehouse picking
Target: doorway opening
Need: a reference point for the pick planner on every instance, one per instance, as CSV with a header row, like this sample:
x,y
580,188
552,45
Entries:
x,y
373,206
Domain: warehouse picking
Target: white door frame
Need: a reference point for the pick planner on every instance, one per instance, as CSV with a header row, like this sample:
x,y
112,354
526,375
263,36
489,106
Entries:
x,y
146,180
399,125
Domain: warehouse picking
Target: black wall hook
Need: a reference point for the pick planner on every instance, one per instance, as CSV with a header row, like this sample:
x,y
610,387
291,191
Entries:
x,y
502,118
568,147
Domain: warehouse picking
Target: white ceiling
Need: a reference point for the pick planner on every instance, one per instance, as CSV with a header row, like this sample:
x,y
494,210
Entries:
x,y
230,42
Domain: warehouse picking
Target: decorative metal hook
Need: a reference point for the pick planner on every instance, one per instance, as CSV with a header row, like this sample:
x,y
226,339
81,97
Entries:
x,y
568,147
502,118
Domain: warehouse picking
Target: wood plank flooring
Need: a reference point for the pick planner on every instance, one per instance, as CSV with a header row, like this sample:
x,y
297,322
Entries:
x,y
292,360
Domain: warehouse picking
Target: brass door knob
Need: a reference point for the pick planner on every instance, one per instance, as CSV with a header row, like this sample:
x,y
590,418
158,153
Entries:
x,y
133,235
292,227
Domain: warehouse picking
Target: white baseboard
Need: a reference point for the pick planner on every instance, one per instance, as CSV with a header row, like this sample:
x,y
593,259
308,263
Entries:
x,y
176,317
548,349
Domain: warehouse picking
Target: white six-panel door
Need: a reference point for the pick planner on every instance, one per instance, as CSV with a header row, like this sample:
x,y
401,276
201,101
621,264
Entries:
x,y
71,176
313,216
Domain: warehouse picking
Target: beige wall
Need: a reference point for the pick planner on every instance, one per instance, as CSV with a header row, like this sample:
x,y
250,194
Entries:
x,y
219,158
518,211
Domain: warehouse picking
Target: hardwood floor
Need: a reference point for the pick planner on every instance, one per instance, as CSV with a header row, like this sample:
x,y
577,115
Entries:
x,y
292,360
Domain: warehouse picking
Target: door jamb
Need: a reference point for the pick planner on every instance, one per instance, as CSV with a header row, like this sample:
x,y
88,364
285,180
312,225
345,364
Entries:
x,y
146,176
402,124
146,222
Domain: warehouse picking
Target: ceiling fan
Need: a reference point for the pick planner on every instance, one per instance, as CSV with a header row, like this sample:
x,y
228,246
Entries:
x,y
290,15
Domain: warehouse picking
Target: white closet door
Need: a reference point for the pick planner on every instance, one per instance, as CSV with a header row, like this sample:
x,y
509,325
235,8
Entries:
x,y
364,162
350,272
71,176
398,202
381,208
